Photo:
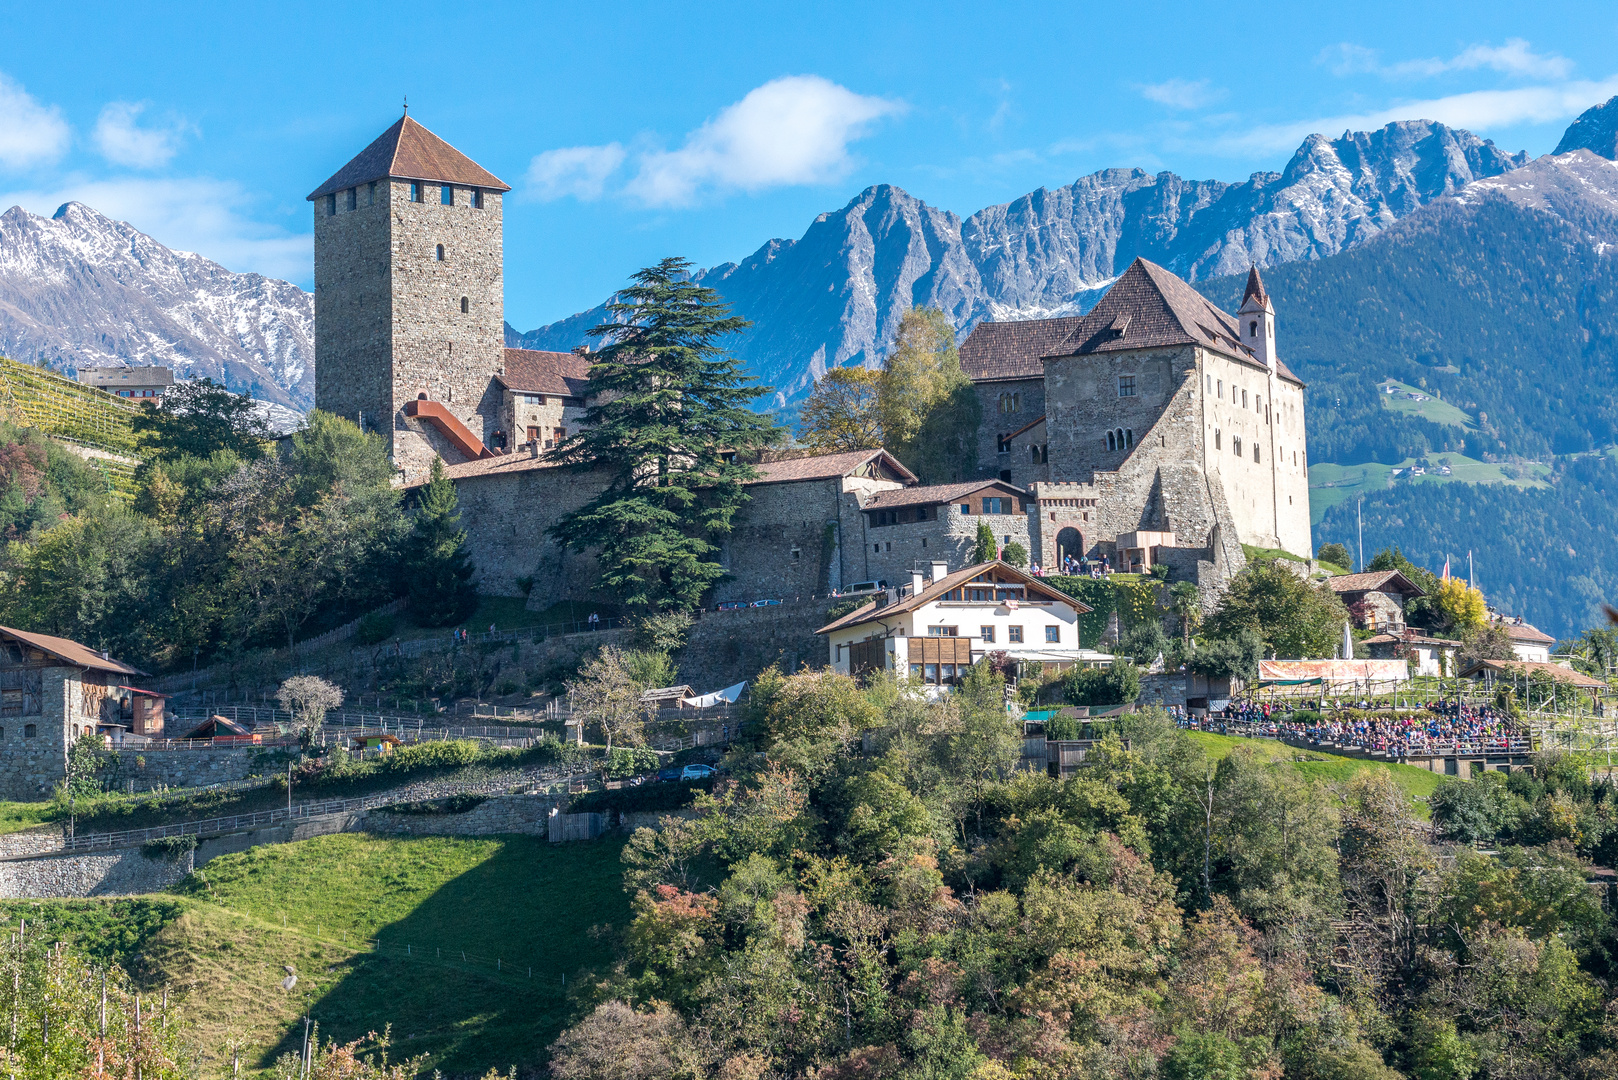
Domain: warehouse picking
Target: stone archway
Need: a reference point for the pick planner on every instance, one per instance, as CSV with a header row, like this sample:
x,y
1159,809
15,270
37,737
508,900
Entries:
x,y
1069,541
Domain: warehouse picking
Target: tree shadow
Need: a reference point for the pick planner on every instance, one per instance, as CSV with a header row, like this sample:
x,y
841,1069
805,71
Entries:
x,y
476,976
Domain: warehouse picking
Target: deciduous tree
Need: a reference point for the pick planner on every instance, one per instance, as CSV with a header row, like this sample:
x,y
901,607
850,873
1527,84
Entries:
x,y
1296,618
928,408
195,419
841,412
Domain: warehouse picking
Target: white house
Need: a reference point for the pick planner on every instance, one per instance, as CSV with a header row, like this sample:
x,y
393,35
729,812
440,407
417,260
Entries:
x,y
1531,644
936,627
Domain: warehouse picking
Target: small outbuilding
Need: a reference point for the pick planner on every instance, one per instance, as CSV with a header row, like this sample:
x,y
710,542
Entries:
x,y
1376,599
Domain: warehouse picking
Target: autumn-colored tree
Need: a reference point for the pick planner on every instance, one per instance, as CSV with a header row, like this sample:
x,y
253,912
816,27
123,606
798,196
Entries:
x,y
1459,606
927,407
841,412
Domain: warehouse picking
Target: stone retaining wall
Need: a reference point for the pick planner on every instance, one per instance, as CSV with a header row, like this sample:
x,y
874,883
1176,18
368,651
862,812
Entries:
x,y
191,768
105,873
725,647
525,814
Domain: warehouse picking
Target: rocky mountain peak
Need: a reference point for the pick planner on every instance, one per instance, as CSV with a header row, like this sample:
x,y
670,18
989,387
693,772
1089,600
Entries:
x,y
80,289
1596,130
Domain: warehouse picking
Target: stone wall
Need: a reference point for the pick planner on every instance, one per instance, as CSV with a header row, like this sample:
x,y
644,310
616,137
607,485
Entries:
x,y
786,543
891,552
726,647
106,873
191,768
354,308
1007,407
525,814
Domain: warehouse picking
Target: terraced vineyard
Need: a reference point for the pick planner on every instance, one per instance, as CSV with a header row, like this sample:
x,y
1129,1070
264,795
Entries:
x,y
93,422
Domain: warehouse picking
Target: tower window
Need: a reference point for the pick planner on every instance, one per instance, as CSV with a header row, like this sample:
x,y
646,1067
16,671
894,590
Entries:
x,y
1010,403
370,193
465,305
1244,399
1255,451
1126,386
1002,444
1236,445
439,256
1129,436
415,191
1111,445
446,195
1216,438
477,198
331,205
1252,329
351,197
1221,385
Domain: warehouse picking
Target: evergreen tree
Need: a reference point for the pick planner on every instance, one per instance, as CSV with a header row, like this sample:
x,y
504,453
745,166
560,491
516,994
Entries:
x,y
669,426
441,591
986,544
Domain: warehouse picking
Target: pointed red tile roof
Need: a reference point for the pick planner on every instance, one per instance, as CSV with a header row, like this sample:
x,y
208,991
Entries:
x,y
409,151
1149,307
1255,287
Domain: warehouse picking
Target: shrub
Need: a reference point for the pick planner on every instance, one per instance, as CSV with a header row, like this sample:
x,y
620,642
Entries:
x,y
374,628
507,686
650,670
628,761
1103,687
444,754
1062,727
1015,554
843,607
168,848
663,631
639,799
458,803
1161,571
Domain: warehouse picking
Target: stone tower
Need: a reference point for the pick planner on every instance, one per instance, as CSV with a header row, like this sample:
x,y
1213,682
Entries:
x,y
409,307
1257,319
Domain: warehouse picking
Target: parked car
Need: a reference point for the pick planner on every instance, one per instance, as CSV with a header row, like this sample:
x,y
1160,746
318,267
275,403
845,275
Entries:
x,y
666,775
732,605
697,772
765,603
861,587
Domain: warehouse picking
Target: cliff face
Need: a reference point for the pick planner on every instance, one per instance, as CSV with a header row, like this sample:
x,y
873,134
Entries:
x,y
834,296
79,289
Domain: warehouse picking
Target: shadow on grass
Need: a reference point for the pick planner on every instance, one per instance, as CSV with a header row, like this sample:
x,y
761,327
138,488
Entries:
x,y
529,906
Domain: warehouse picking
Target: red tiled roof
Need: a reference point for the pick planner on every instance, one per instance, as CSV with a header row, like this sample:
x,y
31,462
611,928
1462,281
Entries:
x,y
1374,581
1255,287
1419,639
1535,667
1148,307
818,467
71,651
531,371
935,493
1528,634
944,585
409,151
996,351
829,466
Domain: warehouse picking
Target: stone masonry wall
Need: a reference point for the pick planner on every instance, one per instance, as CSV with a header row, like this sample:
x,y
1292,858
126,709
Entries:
x,y
1029,406
781,546
112,873
525,814
726,647
505,516
354,308
450,355
892,552
191,768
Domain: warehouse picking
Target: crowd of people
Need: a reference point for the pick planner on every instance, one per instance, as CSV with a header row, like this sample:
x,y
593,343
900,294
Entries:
x,y
1068,565
1439,727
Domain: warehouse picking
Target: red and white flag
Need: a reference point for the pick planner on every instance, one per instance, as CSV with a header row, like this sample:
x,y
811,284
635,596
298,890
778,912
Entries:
x,y
1445,574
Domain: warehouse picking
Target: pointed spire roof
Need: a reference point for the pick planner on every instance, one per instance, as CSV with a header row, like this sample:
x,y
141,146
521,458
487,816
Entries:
x,y
1255,287
408,151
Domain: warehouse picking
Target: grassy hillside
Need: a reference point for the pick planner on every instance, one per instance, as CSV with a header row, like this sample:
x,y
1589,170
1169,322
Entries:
x,y
340,910
1406,400
1330,484
1328,768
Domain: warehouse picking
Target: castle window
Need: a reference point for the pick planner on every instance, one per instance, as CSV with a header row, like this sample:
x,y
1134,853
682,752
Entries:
x,y
465,305
331,205
370,193
1255,451
1111,445
415,191
1244,399
446,195
1010,403
1129,436
1216,438
1126,386
1236,445
477,198
533,434
1002,444
1210,383
439,254
1221,385
1252,329
352,198
29,731
992,506
796,554
921,515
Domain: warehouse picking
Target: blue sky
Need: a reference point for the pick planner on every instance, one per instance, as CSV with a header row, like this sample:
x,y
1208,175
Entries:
x,y
634,131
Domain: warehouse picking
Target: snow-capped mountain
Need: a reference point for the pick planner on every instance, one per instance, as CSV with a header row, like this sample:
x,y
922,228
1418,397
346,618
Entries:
x,y
79,289
833,297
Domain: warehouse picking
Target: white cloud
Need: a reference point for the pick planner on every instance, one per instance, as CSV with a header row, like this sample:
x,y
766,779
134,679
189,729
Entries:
x,y
579,171
197,214
793,130
1515,57
1182,93
122,141
1478,110
30,133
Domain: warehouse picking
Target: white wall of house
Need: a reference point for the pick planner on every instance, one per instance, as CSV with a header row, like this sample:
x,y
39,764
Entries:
x,y
1044,626
1532,651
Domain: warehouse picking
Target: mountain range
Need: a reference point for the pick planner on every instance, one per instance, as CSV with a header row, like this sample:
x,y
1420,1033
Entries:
x,y
834,297
78,289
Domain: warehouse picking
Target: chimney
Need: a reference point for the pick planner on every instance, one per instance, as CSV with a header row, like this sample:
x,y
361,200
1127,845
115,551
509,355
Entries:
x,y
917,583
940,571
533,448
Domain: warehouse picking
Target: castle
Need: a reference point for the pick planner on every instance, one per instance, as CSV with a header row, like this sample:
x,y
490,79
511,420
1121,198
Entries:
x,y
1156,429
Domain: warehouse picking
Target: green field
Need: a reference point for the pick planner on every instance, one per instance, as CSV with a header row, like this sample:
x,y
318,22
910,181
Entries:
x,y
1330,484
1330,768
225,940
1431,408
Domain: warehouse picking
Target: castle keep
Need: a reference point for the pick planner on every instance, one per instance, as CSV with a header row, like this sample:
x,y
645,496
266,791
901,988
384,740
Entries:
x,y
1157,429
